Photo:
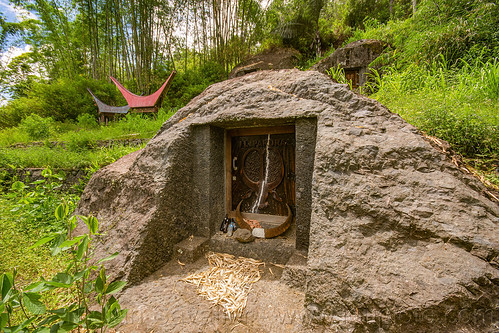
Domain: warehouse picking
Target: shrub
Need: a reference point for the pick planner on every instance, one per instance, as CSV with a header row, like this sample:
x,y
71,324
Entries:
x,y
87,120
188,85
90,282
37,127
16,110
63,99
80,141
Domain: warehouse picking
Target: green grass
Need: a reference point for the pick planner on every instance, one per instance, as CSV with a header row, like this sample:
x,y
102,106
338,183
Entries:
x,y
81,150
15,239
31,264
129,126
457,104
26,215
41,157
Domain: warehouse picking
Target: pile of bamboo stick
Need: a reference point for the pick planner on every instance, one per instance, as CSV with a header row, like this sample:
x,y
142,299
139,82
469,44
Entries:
x,y
227,282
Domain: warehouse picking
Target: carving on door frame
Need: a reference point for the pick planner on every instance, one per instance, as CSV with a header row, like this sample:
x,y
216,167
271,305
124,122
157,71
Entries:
x,y
290,129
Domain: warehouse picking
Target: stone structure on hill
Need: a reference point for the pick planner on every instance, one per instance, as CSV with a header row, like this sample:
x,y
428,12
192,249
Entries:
x,y
395,238
272,59
354,58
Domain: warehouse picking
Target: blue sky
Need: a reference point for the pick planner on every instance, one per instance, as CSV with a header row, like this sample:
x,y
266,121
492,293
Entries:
x,y
8,11
11,14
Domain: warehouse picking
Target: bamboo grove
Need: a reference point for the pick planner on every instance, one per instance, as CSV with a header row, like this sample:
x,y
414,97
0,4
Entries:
x,y
139,39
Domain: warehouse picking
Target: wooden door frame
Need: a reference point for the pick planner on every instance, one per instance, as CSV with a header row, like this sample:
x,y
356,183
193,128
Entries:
x,y
249,131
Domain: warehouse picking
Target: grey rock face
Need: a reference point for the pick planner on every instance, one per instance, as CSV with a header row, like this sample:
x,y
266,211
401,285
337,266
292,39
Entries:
x,y
400,239
269,60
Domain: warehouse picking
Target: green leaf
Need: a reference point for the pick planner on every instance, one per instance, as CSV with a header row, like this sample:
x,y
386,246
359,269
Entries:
x,y
82,248
48,320
4,320
72,223
62,327
18,186
36,287
83,218
117,319
60,313
67,327
58,241
110,306
80,274
43,240
93,224
6,282
33,304
89,287
95,319
57,284
61,211
99,285
70,242
102,274
63,278
47,172
42,330
74,316
115,287
111,257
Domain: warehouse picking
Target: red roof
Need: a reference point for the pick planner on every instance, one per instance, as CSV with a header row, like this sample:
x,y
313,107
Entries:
x,y
135,101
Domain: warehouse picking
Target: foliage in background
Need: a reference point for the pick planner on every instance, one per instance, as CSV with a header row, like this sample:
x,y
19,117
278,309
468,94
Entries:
x,y
36,127
87,121
457,104
337,74
458,30
332,28
63,100
89,288
296,23
36,202
56,157
191,83
133,125
441,73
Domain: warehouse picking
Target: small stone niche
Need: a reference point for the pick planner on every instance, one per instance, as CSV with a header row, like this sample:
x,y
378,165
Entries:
x,y
263,168
355,59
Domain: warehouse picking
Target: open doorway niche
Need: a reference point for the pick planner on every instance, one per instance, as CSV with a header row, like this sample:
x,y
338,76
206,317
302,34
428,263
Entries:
x,y
229,163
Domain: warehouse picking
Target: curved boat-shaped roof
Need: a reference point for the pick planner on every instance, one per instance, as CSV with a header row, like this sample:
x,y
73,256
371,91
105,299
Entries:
x,y
136,101
104,108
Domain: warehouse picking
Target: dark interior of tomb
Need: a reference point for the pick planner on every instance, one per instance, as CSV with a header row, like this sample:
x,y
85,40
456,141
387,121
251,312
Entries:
x,y
264,168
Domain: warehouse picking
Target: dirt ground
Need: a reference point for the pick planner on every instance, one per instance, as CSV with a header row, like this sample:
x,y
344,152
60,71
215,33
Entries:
x,y
162,303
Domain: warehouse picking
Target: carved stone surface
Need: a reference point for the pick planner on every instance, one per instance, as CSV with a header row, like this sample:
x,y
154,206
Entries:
x,y
400,239
354,58
263,190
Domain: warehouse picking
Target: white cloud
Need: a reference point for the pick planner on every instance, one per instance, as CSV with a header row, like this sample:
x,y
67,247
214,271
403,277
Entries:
x,y
15,13
11,53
